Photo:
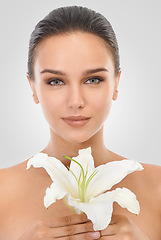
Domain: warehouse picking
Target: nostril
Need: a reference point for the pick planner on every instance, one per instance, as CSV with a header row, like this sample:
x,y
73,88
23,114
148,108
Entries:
x,y
75,100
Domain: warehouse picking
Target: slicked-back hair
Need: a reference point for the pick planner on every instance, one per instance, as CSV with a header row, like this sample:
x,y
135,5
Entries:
x,y
69,19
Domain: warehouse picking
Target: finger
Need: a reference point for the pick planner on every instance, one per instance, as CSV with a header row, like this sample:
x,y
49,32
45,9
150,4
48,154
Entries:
x,y
71,230
111,230
113,237
82,236
68,220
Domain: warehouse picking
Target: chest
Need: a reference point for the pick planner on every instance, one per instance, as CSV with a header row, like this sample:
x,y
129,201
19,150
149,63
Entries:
x,y
27,207
26,214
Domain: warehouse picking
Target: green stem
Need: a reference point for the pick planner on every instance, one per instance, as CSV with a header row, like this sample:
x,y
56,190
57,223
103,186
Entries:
x,y
73,174
90,177
82,185
75,162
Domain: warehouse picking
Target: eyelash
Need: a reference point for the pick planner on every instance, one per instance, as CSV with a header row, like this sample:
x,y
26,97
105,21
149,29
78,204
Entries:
x,y
92,78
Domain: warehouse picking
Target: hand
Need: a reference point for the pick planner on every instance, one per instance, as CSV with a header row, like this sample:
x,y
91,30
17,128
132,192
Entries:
x,y
74,227
121,227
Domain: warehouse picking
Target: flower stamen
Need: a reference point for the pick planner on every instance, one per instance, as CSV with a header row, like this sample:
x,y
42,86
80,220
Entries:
x,y
82,181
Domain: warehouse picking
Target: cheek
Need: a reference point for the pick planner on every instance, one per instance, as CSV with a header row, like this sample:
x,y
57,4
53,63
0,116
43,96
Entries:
x,y
50,104
102,103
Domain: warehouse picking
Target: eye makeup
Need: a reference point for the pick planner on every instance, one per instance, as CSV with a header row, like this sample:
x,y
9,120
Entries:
x,y
92,80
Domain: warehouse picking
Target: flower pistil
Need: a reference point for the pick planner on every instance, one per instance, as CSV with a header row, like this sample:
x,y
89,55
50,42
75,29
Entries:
x,y
82,179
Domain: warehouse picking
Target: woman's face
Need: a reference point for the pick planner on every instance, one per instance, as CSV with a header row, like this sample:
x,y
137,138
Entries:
x,y
74,77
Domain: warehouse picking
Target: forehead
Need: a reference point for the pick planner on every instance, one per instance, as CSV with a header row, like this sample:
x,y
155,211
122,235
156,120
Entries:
x,y
74,50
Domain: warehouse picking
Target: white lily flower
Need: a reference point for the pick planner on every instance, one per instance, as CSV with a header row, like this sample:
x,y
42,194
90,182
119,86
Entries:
x,y
85,188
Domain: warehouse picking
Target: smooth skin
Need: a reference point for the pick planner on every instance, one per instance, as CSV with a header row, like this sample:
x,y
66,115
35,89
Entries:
x,y
64,86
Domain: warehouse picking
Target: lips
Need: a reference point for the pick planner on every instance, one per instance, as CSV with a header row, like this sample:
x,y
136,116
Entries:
x,y
76,121
76,118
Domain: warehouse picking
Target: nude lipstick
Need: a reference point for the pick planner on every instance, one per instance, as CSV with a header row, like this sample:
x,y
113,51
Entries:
x,y
76,121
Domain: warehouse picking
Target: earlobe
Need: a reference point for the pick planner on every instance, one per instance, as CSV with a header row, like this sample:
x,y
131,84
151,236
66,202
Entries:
x,y
115,95
36,100
32,85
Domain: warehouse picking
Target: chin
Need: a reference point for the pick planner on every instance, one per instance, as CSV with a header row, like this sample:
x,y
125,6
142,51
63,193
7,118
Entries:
x,y
79,138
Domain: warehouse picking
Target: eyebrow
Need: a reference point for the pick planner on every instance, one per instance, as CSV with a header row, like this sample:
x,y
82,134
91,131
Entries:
x,y
63,74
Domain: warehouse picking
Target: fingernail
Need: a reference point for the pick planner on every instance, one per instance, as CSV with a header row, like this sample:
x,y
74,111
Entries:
x,y
95,235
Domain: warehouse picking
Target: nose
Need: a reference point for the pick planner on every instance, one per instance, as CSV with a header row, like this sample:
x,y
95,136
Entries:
x,y
75,98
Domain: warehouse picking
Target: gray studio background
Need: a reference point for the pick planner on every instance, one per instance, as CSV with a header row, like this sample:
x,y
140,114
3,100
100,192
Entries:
x,y
133,128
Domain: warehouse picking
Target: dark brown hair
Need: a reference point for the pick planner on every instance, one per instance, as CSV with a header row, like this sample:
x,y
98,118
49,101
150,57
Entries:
x,y
64,20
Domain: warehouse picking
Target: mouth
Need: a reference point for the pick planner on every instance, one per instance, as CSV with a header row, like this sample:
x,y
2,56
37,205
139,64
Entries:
x,y
76,121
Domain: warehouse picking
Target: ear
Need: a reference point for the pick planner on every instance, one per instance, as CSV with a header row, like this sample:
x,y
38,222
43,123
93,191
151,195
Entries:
x,y
32,85
115,92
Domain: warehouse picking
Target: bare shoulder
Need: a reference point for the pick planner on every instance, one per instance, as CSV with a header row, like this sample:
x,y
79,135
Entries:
x,y
16,183
152,173
152,179
7,175
15,177
12,181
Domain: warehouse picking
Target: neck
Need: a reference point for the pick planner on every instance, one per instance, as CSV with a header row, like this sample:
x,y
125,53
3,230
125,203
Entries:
x,y
57,147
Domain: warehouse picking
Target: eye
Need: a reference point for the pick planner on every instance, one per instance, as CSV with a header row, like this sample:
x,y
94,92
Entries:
x,y
94,80
55,82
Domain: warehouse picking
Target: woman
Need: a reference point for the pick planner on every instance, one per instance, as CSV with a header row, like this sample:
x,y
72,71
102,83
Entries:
x,y
74,72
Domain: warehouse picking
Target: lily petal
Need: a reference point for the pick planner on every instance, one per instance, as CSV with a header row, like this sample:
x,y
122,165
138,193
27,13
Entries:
x,y
38,160
126,199
53,193
49,163
96,202
85,159
98,209
110,174
57,171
